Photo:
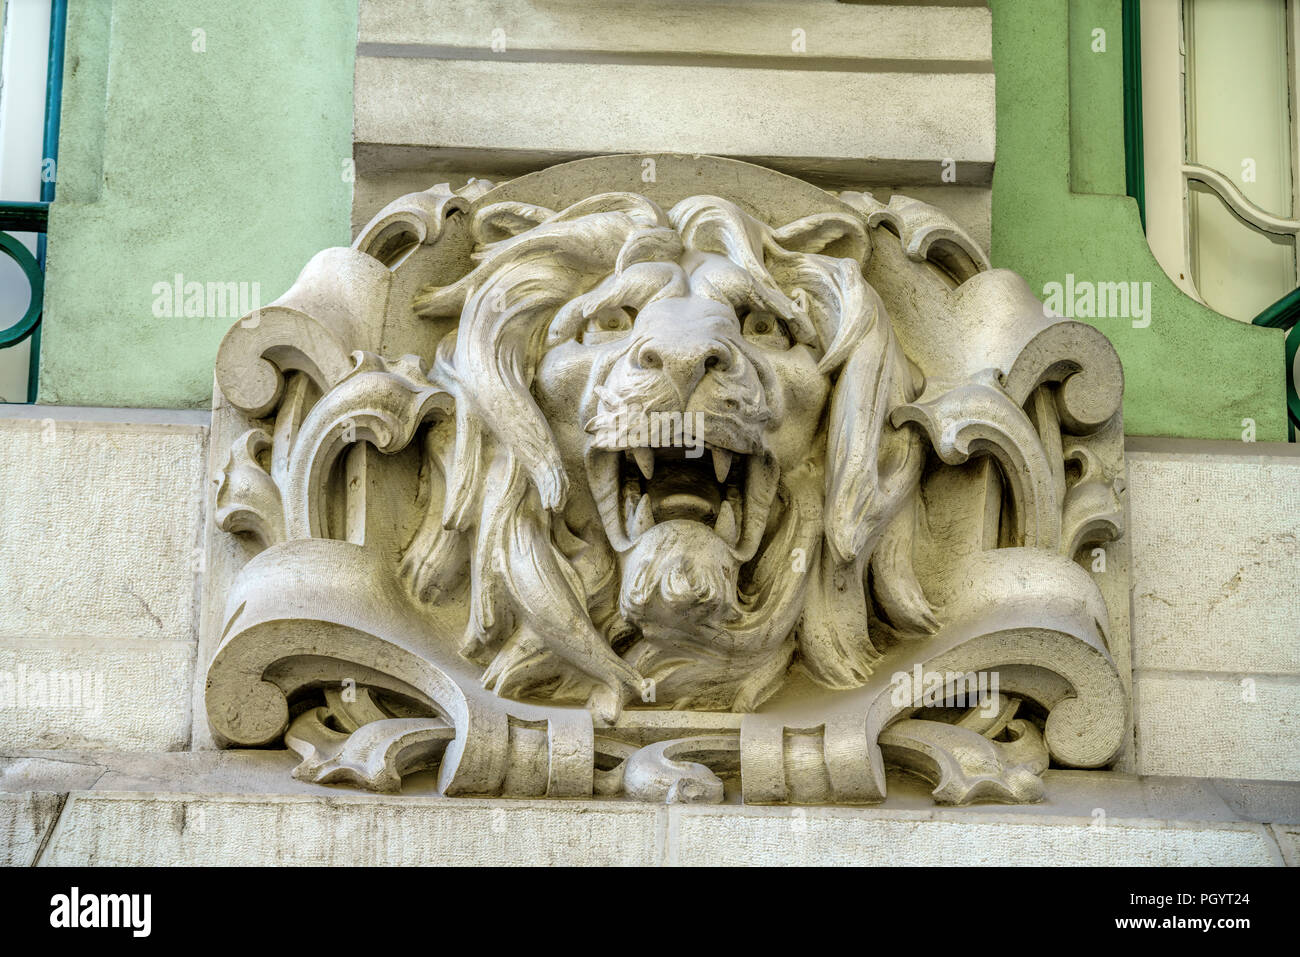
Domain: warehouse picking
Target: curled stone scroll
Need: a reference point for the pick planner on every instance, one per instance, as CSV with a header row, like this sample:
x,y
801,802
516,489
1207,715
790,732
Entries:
x,y
578,485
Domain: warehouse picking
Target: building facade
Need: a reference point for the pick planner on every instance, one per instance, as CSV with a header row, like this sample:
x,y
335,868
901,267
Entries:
x,y
204,155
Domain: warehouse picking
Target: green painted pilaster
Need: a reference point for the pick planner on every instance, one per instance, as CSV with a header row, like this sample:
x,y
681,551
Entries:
x,y
210,141
1191,372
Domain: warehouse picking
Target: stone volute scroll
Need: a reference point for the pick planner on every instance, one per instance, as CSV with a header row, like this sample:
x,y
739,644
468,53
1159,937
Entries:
x,y
683,488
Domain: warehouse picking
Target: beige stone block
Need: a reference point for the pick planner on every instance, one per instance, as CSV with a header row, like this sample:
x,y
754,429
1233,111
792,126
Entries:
x,y
1203,725
1216,548
101,523
115,828
934,37
25,820
832,836
901,125
174,829
125,694
1288,840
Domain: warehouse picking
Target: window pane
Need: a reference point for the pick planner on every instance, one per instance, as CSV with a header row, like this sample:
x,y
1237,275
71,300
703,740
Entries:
x,y
1239,96
1238,122
1238,271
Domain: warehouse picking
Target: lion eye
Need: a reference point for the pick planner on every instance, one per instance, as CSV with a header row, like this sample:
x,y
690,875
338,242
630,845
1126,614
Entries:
x,y
608,324
766,328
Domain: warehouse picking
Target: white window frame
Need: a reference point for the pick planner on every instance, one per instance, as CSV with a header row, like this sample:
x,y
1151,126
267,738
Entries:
x,y
1164,129
24,61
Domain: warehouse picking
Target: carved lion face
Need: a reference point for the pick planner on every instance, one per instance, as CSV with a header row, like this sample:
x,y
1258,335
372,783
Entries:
x,y
678,406
672,452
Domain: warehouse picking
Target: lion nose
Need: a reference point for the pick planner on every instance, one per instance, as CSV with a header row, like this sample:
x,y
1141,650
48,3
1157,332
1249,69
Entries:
x,y
685,361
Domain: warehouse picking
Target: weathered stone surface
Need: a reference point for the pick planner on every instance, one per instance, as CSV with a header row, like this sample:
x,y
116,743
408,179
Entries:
x,y
1216,546
101,514
942,38
1218,725
26,820
184,829
1260,800
239,807
101,525
477,112
1288,840
125,693
796,60
274,831
827,836
56,771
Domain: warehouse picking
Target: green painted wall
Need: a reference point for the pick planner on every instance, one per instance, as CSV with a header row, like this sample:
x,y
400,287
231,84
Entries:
x,y
1096,97
1059,208
224,165
227,166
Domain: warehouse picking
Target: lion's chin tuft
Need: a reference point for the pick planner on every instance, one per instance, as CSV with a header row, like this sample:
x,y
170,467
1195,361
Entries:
x,y
680,581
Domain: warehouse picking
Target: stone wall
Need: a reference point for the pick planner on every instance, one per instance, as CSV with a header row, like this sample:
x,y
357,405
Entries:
x,y
101,517
445,92
101,558
1216,612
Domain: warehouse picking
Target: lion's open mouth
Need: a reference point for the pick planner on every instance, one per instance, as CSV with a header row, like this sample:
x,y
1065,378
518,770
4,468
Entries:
x,y
730,492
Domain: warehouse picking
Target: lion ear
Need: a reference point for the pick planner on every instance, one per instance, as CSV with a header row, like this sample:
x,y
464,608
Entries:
x,y
840,235
503,220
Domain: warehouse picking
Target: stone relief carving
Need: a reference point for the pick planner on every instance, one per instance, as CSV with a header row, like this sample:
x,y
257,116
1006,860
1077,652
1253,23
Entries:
x,y
583,484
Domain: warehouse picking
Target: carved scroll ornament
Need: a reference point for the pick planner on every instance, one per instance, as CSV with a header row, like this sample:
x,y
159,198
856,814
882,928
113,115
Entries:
x,y
664,490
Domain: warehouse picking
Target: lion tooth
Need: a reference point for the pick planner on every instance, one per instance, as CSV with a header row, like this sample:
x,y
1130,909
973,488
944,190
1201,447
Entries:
x,y
645,460
630,496
721,464
602,470
725,527
644,518
760,489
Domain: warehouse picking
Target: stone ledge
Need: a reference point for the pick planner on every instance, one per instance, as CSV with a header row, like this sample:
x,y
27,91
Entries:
x,y
242,808
1213,724
132,827
468,111
937,38
107,415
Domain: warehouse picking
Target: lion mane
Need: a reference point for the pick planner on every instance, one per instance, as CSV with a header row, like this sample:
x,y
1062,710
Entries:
x,y
545,605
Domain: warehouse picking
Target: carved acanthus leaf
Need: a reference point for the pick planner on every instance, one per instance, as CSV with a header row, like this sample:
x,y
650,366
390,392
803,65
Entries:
x,y
248,500
374,756
1093,511
313,328
1084,361
978,416
927,233
965,766
381,401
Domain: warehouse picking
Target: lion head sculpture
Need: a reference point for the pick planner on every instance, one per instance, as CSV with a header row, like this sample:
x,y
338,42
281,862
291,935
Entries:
x,y
672,473
524,467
